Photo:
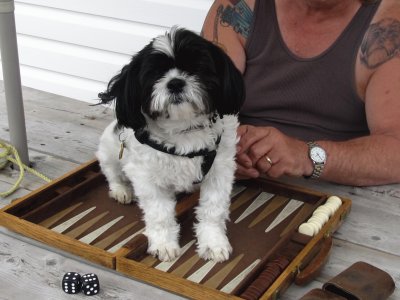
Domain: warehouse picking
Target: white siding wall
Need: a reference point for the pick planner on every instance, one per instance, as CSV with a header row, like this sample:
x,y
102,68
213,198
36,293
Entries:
x,y
73,47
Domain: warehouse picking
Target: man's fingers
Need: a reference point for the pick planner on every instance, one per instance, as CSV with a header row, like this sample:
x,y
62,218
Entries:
x,y
246,173
242,129
244,160
259,150
253,135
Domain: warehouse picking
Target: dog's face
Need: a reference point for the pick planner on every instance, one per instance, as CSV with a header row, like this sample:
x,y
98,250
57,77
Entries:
x,y
177,77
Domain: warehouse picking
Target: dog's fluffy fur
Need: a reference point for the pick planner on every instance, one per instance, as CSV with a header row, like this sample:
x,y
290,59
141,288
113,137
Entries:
x,y
183,93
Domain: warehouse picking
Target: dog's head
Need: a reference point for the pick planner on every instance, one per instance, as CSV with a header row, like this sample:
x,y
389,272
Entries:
x,y
179,76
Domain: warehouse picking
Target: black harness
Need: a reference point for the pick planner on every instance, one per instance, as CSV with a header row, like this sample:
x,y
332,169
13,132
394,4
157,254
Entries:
x,y
144,138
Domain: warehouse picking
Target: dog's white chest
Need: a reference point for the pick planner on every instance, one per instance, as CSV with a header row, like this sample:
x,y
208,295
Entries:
x,y
175,172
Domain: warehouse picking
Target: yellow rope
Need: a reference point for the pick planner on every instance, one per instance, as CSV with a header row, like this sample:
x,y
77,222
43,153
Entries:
x,y
6,153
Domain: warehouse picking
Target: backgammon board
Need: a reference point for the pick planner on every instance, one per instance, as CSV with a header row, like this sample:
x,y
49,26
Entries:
x,y
75,214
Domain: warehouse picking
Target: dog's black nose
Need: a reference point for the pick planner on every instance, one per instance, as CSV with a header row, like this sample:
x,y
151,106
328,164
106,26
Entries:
x,y
176,85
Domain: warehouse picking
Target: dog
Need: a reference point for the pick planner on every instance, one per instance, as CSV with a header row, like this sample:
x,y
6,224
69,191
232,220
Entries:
x,y
176,106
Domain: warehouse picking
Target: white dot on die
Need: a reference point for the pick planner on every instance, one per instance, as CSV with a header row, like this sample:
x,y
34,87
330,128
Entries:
x,y
88,293
95,285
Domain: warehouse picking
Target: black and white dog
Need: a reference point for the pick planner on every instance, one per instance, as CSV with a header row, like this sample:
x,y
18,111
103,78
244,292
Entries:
x,y
176,106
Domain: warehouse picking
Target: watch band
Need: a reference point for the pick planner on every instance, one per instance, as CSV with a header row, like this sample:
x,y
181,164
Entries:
x,y
318,168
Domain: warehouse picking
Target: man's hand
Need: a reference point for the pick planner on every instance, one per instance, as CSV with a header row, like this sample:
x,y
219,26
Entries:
x,y
267,150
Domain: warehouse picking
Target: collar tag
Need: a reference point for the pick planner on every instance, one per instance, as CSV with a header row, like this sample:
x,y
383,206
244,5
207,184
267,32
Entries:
x,y
122,138
121,150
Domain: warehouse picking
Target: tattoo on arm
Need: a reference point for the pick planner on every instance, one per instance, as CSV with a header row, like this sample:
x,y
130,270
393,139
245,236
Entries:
x,y
238,16
381,43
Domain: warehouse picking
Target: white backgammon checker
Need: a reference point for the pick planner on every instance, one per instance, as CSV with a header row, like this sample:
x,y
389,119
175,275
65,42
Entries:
x,y
320,216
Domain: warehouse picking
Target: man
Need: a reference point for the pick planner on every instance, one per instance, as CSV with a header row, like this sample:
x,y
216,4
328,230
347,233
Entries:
x,y
323,86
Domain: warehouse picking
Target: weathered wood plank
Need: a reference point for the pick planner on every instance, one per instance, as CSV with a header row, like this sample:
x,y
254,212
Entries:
x,y
59,126
31,272
50,166
4,186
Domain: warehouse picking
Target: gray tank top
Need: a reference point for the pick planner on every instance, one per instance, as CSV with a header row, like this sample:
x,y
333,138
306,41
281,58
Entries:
x,y
311,99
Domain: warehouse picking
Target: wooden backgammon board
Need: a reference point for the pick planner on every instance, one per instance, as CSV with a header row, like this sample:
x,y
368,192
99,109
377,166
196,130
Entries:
x,y
75,214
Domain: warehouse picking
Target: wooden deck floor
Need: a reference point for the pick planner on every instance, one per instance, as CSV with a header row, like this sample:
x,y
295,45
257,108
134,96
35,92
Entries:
x,y
63,133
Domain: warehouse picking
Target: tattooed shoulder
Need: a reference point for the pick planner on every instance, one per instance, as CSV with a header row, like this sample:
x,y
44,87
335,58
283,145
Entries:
x,y
381,43
236,15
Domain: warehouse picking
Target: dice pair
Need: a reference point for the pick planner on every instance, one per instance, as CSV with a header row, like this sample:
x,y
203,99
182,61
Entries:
x,y
73,283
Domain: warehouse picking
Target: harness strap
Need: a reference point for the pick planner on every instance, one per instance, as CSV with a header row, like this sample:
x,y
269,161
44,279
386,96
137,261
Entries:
x,y
209,155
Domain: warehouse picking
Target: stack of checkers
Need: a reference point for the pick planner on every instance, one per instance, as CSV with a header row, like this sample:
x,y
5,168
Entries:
x,y
266,278
320,216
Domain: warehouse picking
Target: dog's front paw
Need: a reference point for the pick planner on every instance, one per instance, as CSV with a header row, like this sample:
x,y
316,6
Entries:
x,y
215,253
164,251
122,193
214,247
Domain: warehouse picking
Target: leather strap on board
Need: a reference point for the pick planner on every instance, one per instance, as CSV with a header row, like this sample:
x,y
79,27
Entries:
x,y
314,267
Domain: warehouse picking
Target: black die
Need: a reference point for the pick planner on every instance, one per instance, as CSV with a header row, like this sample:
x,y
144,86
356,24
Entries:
x,y
90,284
71,283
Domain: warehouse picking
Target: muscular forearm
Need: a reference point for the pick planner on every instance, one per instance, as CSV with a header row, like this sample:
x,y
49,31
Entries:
x,y
371,160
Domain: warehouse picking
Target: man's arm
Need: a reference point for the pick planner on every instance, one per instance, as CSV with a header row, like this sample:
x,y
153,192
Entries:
x,y
374,159
227,25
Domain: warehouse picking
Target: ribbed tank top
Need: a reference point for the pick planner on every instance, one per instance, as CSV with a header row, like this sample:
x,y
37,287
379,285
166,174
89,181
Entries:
x,y
311,99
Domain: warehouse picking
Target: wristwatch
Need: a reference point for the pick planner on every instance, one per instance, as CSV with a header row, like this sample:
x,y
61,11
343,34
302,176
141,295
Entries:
x,y
318,157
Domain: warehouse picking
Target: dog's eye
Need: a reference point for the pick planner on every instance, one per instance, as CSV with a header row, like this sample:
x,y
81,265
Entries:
x,y
159,64
191,67
165,65
194,61
185,63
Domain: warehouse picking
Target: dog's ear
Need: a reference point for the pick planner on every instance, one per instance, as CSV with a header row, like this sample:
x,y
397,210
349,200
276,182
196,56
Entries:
x,y
231,80
126,90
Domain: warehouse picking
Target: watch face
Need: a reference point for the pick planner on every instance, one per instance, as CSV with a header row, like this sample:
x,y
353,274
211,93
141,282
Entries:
x,y
318,155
